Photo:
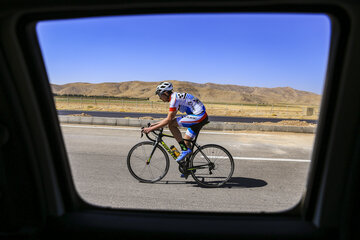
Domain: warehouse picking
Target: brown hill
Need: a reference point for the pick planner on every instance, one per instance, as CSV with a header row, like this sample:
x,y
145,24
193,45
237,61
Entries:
x,y
208,92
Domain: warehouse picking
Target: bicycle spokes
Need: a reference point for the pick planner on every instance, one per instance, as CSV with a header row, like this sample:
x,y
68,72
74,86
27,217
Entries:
x,y
148,162
214,165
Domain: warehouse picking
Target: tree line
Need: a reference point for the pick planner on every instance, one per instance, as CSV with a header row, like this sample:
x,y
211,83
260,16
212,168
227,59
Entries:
x,y
97,97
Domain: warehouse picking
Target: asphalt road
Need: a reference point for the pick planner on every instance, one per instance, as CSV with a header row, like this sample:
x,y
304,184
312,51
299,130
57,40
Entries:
x,y
157,115
270,171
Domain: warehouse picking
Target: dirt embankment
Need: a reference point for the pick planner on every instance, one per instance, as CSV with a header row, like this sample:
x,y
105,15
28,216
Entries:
x,y
297,123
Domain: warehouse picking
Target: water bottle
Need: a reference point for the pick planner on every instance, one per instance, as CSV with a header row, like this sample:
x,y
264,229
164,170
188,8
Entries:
x,y
174,150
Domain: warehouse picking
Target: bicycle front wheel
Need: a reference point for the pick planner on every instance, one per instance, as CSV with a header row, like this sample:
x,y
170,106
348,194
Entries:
x,y
144,168
211,166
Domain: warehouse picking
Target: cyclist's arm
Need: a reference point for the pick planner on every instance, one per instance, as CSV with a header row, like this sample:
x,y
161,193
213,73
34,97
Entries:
x,y
154,124
171,115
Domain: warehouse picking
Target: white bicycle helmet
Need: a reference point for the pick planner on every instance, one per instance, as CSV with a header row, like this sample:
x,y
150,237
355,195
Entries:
x,y
164,87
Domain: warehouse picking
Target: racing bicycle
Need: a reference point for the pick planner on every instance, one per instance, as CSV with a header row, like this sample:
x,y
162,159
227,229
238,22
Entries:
x,y
209,165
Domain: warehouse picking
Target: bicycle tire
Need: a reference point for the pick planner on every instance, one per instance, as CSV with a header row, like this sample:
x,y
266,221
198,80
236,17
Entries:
x,y
220,157
140,170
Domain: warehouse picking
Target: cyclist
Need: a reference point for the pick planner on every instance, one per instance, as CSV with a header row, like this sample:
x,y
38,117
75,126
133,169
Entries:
x,y
185,103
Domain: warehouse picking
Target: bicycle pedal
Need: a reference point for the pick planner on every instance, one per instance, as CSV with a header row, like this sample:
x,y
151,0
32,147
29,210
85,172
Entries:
x,y
184,175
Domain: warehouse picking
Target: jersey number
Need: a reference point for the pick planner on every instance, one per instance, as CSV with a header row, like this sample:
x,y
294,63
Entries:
x,y
182,95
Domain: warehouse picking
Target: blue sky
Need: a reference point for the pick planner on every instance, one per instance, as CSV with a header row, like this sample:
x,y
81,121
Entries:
x,y
259,50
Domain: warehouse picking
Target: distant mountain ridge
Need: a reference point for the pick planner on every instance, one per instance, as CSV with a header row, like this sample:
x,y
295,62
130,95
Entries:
x,y
208,92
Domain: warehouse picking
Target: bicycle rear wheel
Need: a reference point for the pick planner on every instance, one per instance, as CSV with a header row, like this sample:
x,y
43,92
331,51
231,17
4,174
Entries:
x,y
211,166
144,170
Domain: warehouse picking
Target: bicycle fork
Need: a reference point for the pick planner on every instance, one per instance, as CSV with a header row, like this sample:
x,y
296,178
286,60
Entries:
x,y
152,153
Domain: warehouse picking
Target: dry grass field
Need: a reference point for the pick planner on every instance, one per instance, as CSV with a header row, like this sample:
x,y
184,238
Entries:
x,y
215,109
208,92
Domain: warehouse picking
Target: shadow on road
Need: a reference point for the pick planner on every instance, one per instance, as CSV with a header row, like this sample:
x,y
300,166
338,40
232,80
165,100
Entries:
x,y
245,182
235,182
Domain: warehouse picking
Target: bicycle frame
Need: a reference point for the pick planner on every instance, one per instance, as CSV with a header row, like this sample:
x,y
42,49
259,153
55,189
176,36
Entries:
x,y
160,140
163,144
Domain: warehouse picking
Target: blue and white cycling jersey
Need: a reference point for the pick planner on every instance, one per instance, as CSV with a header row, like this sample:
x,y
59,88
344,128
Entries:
x,y
186,103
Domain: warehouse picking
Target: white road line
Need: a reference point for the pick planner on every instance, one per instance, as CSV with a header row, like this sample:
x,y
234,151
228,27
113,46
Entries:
x,y
138,129
97,127
266,159
273,159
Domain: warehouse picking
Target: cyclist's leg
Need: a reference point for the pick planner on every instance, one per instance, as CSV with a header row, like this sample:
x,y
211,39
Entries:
x,y
174,129
184,121
194,130
188,136
192,120
189,121
191,133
